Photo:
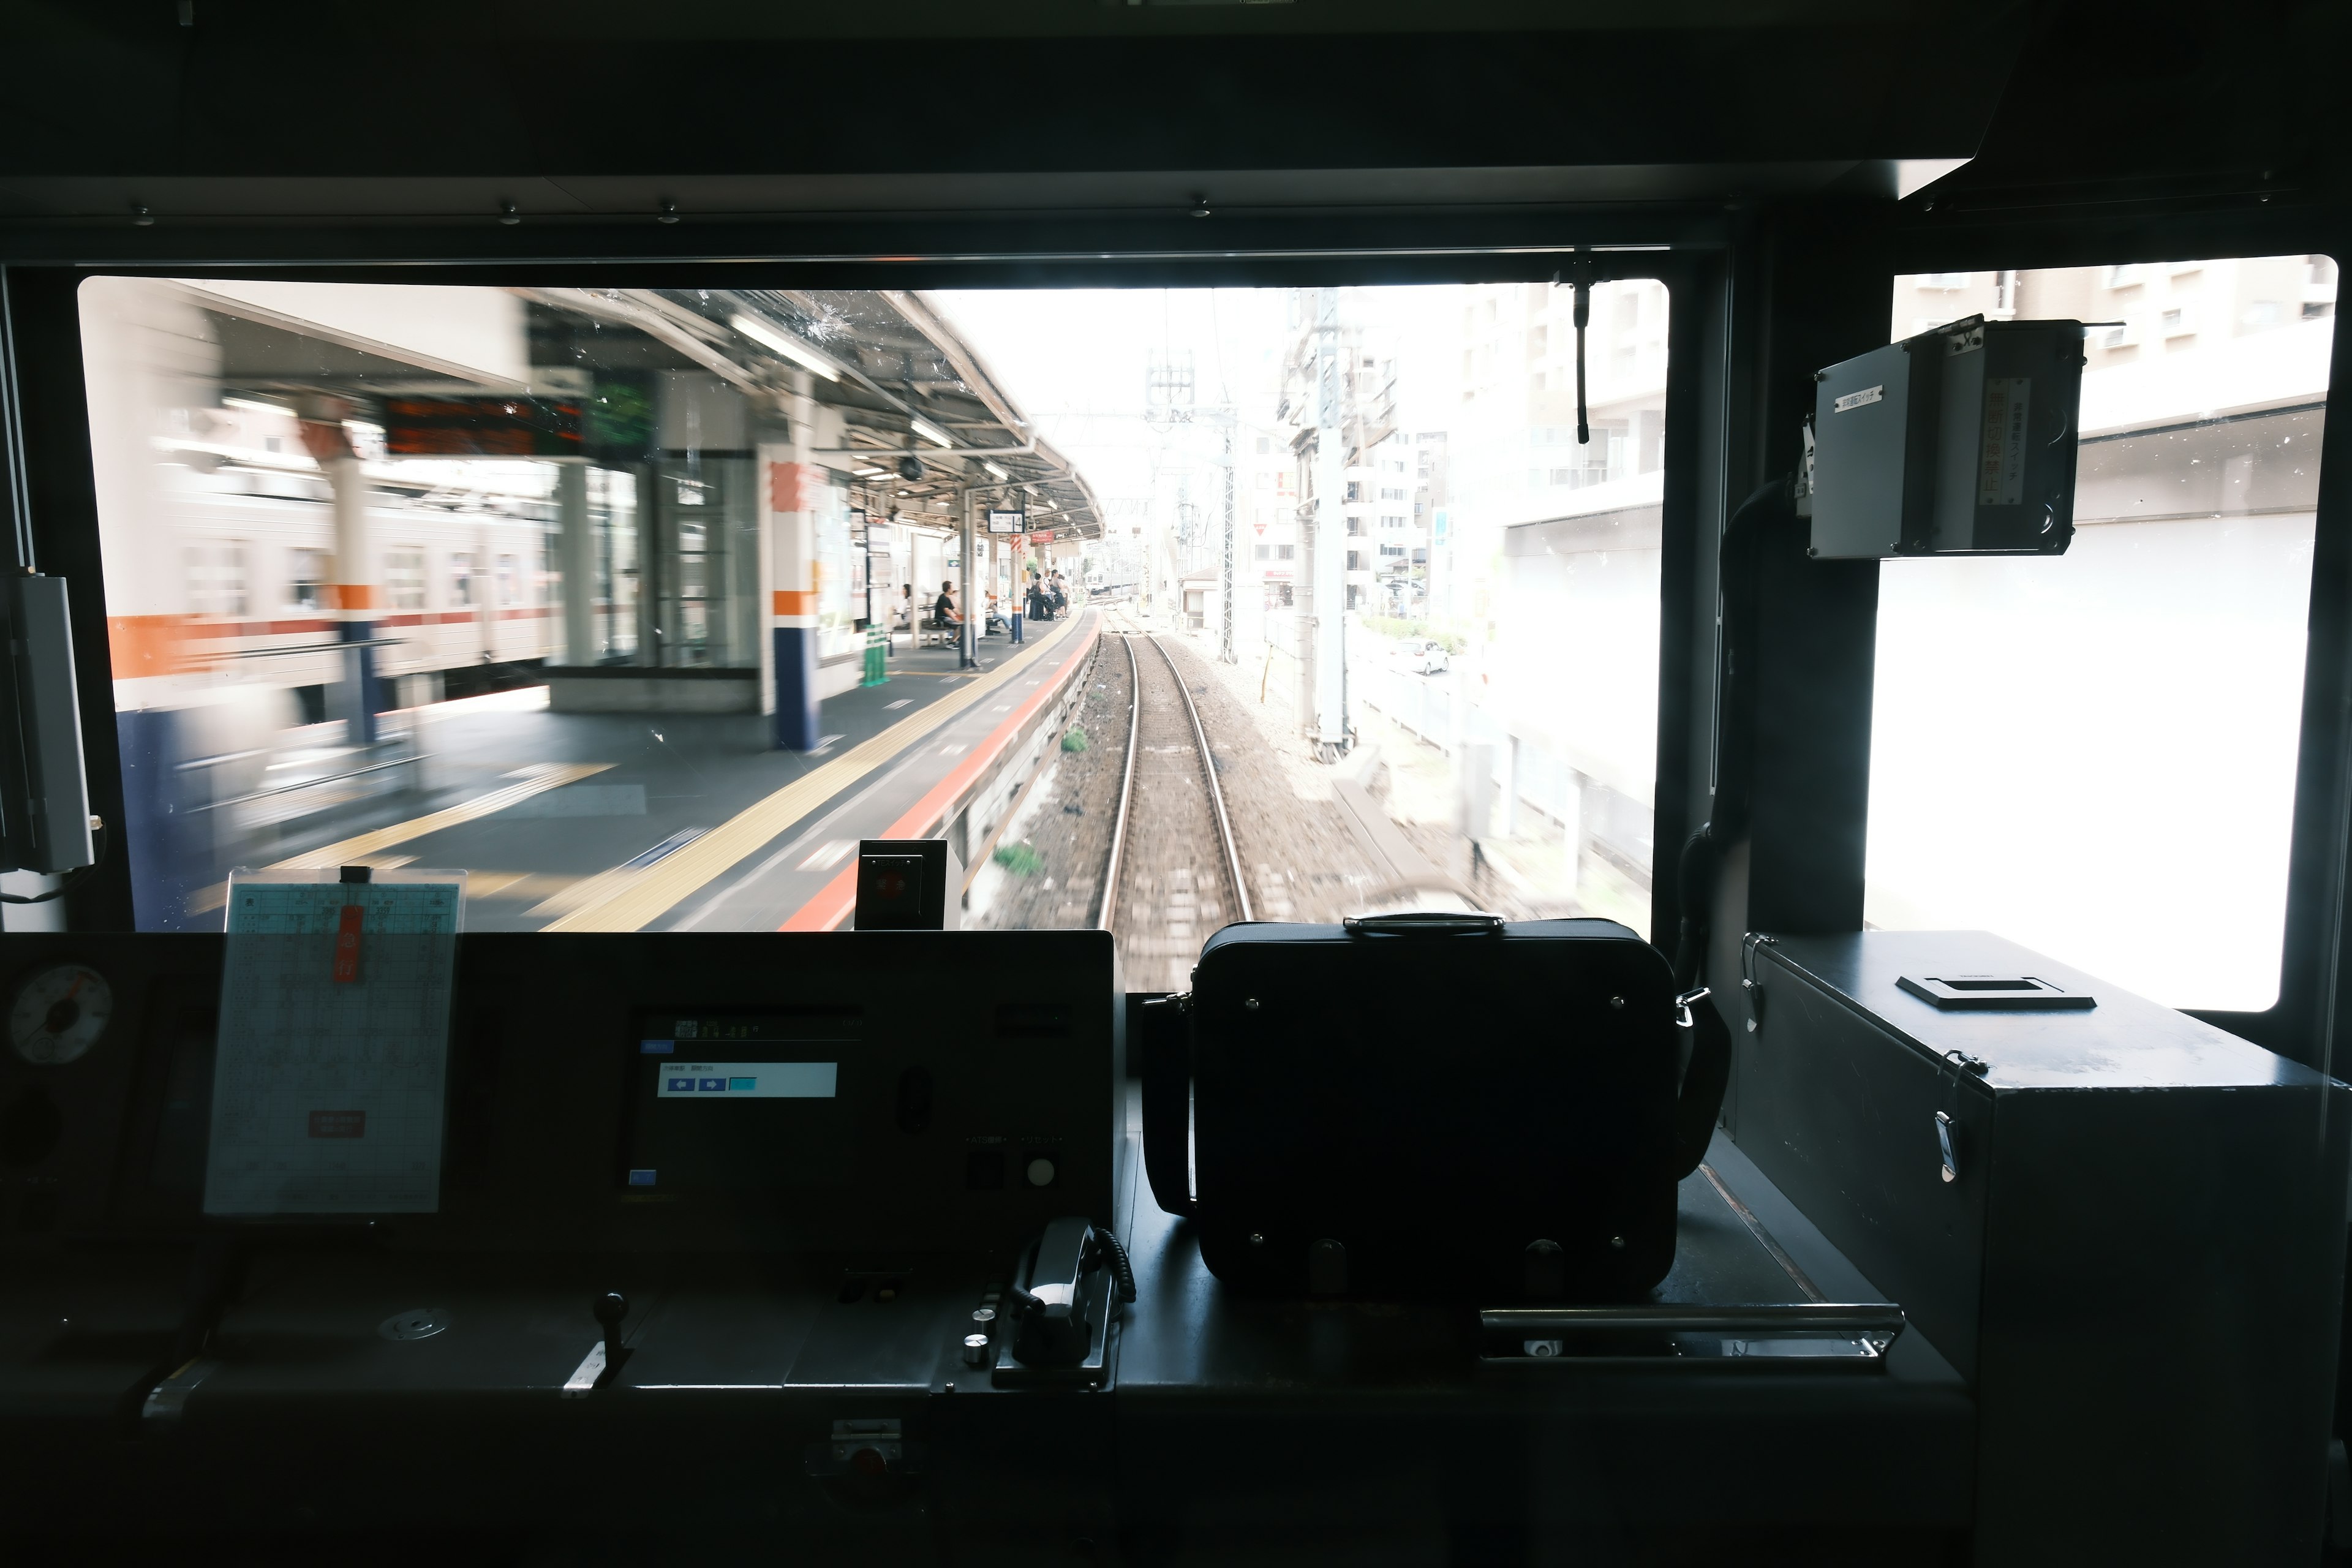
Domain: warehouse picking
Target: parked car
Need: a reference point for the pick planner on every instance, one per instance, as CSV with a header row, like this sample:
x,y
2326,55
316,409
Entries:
x,y
1421,656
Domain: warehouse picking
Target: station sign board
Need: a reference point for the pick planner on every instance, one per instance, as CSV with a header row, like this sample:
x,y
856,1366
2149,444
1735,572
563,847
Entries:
x,y
1006,522
483,427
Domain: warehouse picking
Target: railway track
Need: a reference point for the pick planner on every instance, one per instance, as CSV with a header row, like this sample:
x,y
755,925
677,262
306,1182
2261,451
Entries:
x,y
1173,874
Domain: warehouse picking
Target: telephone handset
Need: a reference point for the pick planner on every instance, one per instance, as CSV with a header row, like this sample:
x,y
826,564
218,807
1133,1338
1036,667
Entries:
x,y
1062,1298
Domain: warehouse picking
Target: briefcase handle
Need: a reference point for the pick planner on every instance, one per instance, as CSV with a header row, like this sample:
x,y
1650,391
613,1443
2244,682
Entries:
x,y
1426,923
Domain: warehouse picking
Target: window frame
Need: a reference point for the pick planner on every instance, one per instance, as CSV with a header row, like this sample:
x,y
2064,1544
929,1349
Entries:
x,y
2311,1021
1689,259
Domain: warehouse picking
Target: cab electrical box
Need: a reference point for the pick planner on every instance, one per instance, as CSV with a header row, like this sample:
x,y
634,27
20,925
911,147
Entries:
x,y
1959,441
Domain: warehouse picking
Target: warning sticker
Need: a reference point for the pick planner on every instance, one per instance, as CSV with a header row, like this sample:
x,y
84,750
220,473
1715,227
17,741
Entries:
x,y
2001,474
1854,400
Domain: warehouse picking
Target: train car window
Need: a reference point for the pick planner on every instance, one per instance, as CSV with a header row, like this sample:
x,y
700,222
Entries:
x,y
2095,755
541,581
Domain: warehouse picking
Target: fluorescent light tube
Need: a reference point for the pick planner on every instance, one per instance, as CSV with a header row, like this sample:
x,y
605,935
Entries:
x,y
784,344
929,431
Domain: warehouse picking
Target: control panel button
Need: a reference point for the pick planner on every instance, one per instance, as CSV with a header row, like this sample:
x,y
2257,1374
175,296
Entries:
x,y
1041,1171
983,1170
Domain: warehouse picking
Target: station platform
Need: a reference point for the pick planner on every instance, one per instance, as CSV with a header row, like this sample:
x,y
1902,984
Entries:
x,y
592,822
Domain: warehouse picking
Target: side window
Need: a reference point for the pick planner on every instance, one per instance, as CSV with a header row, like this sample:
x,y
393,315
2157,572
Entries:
x,y
306,578
461,578
2094,755
404,577
216,577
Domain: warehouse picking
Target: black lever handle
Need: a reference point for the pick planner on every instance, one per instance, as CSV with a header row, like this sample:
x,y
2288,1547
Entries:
x,y
610,1309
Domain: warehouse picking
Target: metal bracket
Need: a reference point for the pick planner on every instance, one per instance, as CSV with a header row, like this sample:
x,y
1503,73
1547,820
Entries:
x,y
1751,988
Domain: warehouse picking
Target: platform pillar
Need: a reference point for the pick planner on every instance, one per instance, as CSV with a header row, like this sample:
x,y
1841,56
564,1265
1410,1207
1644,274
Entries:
x,y
974,606
352,600
576,559
788,524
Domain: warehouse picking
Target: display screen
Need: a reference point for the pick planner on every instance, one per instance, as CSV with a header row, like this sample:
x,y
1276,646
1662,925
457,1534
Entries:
x,y
740,1102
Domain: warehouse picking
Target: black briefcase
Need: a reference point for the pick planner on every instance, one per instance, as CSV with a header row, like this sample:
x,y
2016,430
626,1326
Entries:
x,y
1431,1106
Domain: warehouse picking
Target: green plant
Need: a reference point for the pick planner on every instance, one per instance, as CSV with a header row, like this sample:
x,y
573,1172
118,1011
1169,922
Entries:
x,y
1020,859
1073,739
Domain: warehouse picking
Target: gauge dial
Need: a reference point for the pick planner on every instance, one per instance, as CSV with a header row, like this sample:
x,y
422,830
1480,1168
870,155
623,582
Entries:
x,y
58,1013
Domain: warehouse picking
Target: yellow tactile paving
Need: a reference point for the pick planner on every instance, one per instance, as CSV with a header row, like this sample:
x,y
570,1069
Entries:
x,y
640,899
348,851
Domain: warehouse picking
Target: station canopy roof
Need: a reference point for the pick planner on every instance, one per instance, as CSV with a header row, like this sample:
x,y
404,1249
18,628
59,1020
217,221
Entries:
x,y
922,418
922,421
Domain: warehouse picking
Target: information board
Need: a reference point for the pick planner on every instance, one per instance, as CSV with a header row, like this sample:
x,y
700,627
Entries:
x,y
330,1074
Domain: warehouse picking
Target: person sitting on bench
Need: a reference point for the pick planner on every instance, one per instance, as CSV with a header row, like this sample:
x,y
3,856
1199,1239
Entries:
x,y
945,616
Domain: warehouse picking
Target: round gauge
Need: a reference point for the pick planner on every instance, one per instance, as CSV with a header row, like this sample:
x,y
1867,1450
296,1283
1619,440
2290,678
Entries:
x,y
58,1013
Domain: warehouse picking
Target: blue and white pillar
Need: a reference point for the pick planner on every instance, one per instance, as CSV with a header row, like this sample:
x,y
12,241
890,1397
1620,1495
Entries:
x,y
788,502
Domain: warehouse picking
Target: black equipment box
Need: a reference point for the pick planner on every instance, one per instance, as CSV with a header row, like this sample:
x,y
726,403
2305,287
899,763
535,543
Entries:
x,y
1432,1106
2124,1226
1959,441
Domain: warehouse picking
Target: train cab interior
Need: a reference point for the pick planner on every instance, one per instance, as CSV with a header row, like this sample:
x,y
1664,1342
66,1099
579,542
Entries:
x,y
1175,782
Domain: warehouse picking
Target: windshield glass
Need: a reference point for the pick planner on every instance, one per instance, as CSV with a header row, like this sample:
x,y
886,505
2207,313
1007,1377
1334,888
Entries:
x,y
646,605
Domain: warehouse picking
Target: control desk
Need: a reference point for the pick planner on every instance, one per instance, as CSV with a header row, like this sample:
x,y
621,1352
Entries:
x,y
750,1243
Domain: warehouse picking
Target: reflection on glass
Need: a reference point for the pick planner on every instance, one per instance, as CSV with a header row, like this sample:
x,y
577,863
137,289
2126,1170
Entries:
x,y
2094,756
528,581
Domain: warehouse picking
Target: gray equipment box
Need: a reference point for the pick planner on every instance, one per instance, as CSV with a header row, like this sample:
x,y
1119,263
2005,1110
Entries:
x,y
2122,1225
1957,442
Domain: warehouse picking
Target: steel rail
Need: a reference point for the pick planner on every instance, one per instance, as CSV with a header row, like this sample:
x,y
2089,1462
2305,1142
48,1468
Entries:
x,y
1209,771
1126,789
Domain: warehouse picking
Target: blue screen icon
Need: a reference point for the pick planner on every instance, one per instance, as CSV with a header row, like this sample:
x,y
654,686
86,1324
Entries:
x,y
713,1085
742,1085
641,1178
656,1047
681,1085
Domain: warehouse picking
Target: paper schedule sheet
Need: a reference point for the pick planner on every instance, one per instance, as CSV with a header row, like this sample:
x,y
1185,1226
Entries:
x,y
330,1075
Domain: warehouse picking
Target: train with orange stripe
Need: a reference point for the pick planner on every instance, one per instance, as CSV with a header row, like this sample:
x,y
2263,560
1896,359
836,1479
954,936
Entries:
x,y
464,595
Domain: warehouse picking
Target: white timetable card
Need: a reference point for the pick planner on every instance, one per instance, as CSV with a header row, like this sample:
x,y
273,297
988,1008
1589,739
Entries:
x,y
329,1077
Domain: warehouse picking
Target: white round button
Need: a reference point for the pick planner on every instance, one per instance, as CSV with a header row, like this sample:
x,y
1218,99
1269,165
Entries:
x,y
1041,1173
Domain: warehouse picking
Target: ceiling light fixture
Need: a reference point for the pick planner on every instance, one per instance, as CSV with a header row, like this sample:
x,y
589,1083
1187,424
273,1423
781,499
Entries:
x,y
929,431
792,348
1001,475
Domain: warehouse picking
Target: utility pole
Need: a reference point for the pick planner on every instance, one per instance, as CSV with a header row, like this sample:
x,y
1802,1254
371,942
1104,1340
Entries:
x,y
1327,534
1225,597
